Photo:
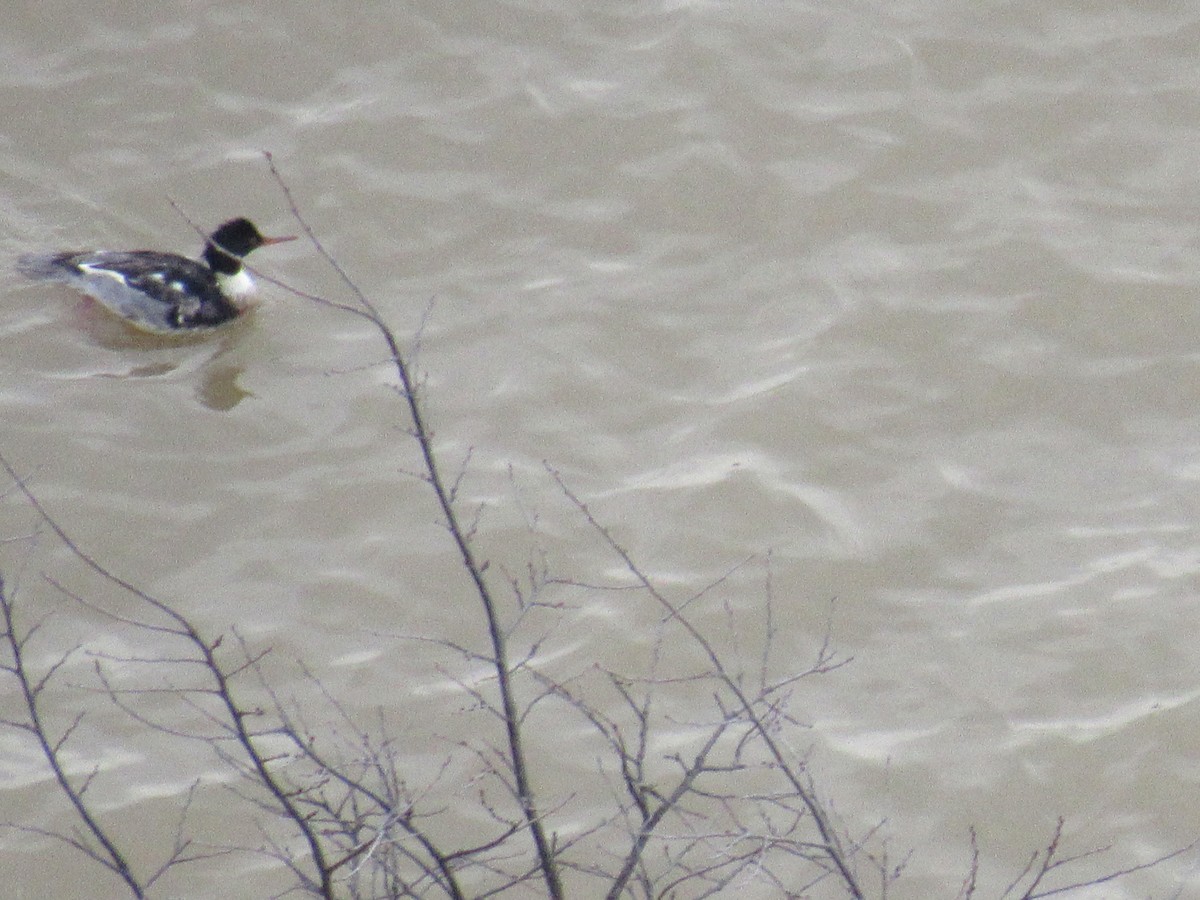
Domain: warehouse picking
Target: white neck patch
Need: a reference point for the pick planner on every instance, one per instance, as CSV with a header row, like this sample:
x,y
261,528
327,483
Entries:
x,y
236,286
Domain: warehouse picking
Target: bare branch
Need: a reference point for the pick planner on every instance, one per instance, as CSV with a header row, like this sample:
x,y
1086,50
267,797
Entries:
x,y
106,851
460,535
835,852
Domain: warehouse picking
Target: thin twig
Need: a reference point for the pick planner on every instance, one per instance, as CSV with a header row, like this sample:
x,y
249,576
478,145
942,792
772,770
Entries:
x,y
281,793
109,855
474,568
835,852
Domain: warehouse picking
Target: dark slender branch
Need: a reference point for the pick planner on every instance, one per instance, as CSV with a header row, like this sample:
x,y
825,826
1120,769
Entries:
x,y
207,650
461,537
1050,861
691,819
109,855
835,853
442,873
685,785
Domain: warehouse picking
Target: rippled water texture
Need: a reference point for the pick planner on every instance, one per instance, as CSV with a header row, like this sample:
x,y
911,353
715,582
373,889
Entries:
x,y
900,294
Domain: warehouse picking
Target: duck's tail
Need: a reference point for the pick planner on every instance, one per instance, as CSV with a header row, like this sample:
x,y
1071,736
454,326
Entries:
x,y
42,266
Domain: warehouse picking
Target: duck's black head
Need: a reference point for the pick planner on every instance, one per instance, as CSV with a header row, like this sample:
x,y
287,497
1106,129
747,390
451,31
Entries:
x,y
236,238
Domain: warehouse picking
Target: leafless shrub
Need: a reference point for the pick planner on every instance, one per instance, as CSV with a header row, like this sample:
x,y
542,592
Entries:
x,y
695,808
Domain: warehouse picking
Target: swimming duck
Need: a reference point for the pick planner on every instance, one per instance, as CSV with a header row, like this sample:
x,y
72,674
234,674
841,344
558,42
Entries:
x,y
162,293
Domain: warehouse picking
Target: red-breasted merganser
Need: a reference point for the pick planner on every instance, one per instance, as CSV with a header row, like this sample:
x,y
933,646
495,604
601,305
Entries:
x,y
162,293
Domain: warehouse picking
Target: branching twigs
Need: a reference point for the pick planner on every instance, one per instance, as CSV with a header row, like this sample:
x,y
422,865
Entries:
x,y
1046,861
760,714
238,716
461,536
380,787
699,803
653,807
104,851
835,853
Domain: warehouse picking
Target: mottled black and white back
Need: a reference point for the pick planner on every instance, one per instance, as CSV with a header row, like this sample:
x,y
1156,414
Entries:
x,y
158,292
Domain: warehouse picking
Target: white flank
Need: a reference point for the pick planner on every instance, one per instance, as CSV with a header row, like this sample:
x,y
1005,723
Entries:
x,y
100,270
